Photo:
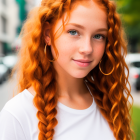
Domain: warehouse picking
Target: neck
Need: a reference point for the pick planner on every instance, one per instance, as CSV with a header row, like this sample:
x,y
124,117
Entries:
x,y
70,87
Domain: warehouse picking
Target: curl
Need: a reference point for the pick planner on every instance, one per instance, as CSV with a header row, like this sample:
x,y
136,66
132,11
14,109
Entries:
x,y
112,92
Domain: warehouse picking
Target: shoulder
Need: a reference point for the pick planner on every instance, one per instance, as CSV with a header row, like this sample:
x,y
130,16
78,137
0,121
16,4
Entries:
x,y
21,105
10,127
19,116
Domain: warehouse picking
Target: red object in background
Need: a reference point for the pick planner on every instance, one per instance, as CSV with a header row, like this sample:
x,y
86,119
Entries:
x,y
135,76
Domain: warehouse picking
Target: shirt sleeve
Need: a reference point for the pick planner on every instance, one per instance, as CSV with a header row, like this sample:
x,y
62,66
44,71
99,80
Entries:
x,y
10,128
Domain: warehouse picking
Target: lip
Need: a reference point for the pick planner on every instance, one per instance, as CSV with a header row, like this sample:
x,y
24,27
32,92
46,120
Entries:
x,y
82,62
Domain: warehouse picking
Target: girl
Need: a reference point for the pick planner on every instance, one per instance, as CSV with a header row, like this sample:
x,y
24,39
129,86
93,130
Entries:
x,y
72,80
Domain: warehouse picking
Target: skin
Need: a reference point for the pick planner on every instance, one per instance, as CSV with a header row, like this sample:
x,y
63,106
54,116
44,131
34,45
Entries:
x,y
84,37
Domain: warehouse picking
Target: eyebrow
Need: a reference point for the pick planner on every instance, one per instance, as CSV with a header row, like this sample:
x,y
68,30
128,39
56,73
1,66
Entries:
x,y
77,25
82,27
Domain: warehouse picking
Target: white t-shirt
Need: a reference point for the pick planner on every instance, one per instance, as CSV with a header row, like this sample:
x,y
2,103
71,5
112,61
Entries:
x,y
18,121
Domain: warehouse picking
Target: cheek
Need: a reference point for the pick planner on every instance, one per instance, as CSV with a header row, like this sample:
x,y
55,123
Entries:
x,y
64,47
63,54
99,50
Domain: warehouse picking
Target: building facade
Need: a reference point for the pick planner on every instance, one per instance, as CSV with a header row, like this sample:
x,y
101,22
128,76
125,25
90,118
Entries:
x,y
30,4
9,20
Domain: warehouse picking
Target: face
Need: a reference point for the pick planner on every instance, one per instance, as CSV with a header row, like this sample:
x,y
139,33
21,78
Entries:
x,y
82,43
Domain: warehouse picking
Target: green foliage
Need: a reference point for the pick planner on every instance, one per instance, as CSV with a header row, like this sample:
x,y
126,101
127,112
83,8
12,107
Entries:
x,y
136,121
129,11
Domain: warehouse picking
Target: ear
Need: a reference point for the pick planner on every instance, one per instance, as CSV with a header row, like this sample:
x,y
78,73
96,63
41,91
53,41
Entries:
x,y
46,34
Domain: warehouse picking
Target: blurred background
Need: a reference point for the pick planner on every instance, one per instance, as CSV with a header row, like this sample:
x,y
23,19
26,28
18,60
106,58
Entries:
x,y
13,13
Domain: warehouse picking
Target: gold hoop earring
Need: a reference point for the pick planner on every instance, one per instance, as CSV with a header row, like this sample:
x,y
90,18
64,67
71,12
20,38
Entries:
x,y
45,54
45,49
103,72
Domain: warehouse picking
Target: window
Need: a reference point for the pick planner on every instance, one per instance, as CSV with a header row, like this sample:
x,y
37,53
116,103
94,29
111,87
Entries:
x,y
4,24
136,64
4,2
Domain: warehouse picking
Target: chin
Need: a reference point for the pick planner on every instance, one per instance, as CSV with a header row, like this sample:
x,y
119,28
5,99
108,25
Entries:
x,y
79,75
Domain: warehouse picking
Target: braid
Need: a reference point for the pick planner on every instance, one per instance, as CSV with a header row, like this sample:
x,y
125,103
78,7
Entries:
x,y
39,71
45,99
46,106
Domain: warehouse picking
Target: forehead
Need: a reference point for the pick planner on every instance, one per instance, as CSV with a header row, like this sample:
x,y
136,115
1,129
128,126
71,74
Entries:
x,y
89,15
90,12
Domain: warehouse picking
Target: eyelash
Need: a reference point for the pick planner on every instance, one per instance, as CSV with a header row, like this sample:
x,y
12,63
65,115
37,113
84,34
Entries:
x,y
103,36
100,35
73,30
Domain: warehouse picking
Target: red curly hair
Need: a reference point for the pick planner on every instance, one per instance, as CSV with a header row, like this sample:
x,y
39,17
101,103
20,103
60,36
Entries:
x,y
110,92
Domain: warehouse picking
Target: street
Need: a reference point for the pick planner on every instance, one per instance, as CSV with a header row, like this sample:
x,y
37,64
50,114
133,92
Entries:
x,y
8,89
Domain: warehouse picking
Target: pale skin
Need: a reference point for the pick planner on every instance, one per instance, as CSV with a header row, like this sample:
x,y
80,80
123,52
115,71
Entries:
x,y
84,38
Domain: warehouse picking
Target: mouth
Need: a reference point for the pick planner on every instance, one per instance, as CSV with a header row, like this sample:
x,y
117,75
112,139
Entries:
x,y
82,62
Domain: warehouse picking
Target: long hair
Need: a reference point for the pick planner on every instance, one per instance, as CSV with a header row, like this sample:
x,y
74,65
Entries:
x,y
111,92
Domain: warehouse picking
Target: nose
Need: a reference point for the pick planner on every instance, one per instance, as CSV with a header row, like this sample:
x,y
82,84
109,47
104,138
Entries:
x,y
86,47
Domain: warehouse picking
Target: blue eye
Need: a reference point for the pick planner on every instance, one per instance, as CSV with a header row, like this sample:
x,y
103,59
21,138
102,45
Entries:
x,y
98,36
73,32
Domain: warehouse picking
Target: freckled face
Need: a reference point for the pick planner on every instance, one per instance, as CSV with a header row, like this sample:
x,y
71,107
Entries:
x,y
82,44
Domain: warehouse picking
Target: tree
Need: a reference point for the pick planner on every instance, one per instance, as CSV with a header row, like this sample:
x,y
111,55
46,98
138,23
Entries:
x,y
129,10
